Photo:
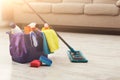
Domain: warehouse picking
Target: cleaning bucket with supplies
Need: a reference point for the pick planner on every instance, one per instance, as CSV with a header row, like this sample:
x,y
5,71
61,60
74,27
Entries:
x,y
26,47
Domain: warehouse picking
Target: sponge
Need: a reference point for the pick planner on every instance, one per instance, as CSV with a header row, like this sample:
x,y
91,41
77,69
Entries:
x,y
45,60
35,63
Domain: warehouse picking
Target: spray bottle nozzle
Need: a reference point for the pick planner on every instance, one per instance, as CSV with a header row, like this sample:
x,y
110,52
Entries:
x,y
12,25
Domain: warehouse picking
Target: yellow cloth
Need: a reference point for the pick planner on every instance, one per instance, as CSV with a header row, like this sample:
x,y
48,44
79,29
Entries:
x,y
52,39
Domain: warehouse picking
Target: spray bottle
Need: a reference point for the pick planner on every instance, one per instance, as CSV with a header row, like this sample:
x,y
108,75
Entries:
x,y
15,28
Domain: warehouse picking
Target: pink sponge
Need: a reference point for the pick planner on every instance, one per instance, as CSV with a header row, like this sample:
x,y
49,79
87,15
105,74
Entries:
x,y
35,63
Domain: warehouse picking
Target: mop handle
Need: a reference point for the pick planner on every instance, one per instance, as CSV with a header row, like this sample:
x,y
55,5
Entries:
x,y
34,11
46,22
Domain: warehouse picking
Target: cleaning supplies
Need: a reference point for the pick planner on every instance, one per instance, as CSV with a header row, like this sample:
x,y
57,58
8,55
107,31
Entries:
x,y
30,27
52,39
33,26
35,63
33,38
76,57
27,29
15,28
74,52
46,26
45,60
45,45
42,61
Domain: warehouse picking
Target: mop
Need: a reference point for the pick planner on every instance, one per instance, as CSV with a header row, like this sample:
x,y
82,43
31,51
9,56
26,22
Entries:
x,y
74,56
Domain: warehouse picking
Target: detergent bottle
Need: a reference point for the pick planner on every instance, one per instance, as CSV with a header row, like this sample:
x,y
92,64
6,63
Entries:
x,y
32,25
29,28
46,26
15,28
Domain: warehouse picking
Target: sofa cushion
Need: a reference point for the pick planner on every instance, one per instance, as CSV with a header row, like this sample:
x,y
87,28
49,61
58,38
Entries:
x,y
101,9
105,1
38,7
50,1
22,2
68,8
118,3
81,1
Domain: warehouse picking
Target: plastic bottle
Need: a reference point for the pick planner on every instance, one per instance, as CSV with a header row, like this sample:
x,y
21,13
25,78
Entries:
x,y
32,25
15,28
46,26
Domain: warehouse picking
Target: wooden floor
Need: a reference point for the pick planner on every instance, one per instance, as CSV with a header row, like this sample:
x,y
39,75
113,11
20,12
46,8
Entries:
x,y
102,51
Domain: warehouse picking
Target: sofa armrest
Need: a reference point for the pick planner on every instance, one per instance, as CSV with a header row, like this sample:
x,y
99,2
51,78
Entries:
x,y
118,3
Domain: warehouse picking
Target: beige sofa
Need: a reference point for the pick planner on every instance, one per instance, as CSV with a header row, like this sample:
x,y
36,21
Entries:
x,y
70,13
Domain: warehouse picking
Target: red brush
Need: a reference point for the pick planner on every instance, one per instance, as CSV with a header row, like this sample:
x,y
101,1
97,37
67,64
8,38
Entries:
x,y
35,63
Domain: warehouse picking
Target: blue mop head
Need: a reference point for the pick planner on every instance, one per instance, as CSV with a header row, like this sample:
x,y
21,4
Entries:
x,y
77,57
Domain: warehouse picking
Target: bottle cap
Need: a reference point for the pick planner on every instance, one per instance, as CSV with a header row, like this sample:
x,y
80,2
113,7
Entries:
x,y
12,25
32,25
46,25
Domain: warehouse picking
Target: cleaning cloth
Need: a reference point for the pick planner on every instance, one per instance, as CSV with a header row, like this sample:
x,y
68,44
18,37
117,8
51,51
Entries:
x,y
52,39
45,45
